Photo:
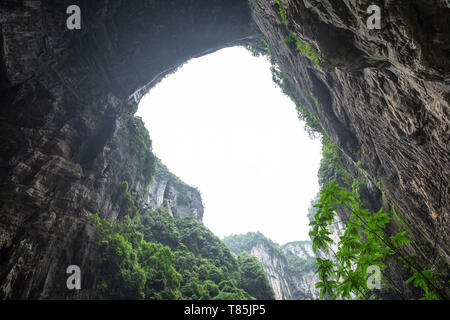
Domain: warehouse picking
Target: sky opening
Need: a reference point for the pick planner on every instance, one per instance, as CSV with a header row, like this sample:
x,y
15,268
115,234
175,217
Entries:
x,y
220,124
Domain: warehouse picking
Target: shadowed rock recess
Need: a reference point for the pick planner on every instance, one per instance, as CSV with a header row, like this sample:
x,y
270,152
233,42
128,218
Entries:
x,y
67,97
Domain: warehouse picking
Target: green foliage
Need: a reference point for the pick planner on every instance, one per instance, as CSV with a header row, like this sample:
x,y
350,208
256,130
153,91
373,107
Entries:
x,y
312,209
245,242
133,106
255,50
157,256
312,123
141,146
124,199
241,244
230,291
132,268
256,8
254,279
304,49
363,244
378,184
421,280
159,226
311,95
359,187
182,199
399,239
268,52
331,167
282,13
297,265
208,268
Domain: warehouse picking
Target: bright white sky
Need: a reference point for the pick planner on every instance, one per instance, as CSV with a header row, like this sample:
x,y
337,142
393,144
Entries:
x,y
219,123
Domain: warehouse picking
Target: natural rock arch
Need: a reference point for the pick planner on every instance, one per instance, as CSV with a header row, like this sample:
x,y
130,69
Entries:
x,y
64,110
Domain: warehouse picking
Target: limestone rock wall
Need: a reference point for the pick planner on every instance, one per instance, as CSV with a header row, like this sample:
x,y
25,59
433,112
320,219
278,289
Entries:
x,y
382,96
64,109
167,189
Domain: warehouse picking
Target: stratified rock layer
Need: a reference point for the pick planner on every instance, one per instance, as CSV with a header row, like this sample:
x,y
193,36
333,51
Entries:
x,y
167,189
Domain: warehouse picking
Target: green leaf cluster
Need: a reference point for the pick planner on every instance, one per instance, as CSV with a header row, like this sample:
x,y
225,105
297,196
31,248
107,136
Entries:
x,y
419,279
256,8
243,243
132,268
254,278
298,266
282,13
141,146
156,256
363,244
208,268
304,49
331,167
123,197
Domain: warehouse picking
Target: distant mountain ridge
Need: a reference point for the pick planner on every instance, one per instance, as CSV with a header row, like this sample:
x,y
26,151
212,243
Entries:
x,y
289,268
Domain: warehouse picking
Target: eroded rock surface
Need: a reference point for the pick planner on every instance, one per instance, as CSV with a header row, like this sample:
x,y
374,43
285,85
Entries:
x,y
65,106
382,96
167,189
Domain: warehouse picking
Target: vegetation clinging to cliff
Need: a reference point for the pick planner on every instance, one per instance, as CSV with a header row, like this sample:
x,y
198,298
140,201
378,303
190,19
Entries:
x,y
304,49
254,278
208,269
157,256
331,166
364,244
141,146
282,13
297,265
245,242
132,268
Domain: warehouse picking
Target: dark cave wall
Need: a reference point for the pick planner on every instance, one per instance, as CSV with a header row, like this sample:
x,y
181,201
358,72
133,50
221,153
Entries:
x,y
63,141
383,98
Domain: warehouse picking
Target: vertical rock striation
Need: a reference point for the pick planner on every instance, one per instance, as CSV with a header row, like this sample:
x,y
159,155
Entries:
x,y
381,95
275,266
167,189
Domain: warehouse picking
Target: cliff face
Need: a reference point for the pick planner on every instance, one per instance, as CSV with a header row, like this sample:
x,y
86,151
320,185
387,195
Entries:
x,y
302,283
382,96
290,268
167,189
275,266
302,249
